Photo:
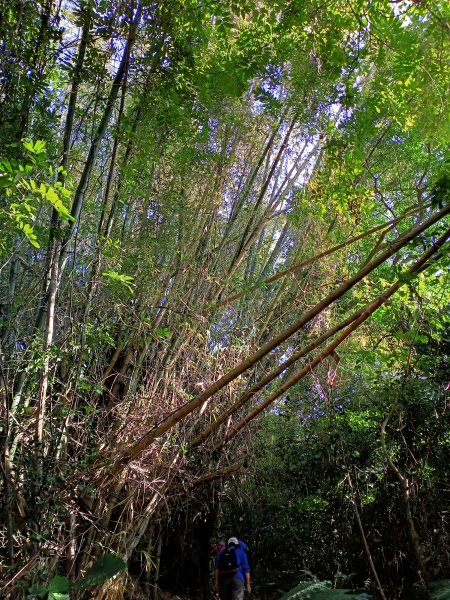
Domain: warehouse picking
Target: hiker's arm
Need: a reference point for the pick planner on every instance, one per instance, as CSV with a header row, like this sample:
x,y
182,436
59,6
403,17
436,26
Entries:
x,y
216,578
246,570
248,587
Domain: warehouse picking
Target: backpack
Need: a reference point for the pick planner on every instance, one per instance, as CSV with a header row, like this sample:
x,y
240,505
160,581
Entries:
x,y
228,561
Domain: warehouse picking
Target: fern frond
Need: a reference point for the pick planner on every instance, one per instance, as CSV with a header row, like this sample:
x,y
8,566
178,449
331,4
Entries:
x,y
440,590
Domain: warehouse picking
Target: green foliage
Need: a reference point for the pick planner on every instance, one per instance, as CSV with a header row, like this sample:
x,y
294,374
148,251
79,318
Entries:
x,y
120,279
306,590
25,197
59,587
162,333
340,595
321,590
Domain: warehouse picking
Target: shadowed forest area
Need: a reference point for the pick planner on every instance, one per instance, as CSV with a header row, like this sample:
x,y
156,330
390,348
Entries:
x,y
224,297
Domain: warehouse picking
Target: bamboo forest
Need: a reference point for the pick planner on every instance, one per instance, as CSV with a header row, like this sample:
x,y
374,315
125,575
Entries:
x,y
224,299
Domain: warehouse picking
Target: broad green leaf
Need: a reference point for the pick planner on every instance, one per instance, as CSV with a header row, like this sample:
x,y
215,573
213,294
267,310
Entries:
x,y
106,567
59,584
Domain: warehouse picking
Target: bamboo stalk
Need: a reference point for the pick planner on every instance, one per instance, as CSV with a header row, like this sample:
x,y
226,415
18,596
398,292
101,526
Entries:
x,y
314,259
369,309
133,451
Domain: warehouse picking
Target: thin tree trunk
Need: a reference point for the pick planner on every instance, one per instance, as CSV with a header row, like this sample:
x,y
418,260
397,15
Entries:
x,y
112,163
12,282
126,158
405,485
86,11
364,539
48,339
96,268
246,237
7,471
249,184
36,70
139,528
157,567
274,255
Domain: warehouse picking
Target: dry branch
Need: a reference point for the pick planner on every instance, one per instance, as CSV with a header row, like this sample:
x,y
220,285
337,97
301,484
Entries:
x,y
225,472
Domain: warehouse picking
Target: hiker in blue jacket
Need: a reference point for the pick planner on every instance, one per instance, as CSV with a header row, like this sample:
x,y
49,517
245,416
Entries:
x,y
232,573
